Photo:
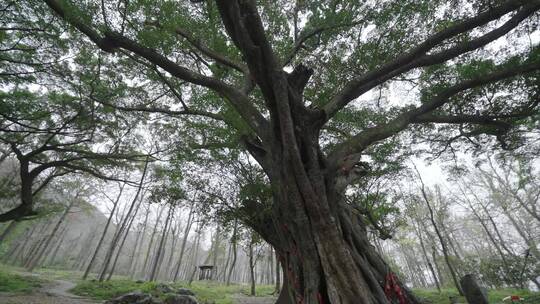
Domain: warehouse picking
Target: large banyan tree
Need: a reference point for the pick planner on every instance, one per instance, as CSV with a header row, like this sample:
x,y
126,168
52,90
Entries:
x,y
309,87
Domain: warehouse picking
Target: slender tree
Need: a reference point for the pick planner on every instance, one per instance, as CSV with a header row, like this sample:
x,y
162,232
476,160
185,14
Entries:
x,y
440,237
104,232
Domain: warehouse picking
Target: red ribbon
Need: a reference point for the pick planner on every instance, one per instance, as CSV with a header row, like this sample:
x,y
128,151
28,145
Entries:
x,y
392,288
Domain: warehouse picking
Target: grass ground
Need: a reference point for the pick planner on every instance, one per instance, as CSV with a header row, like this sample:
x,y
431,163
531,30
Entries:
x,y
206,292
16,283
11,280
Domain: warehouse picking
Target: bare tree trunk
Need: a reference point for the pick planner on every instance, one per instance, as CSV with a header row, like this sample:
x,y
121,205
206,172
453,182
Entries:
x,y
278,275
251,269
10,227
223,271
175,233
138,245
33,262
234,250
490,218
149,248
18,250
529,241
184,241
113,267
159,253
116,237
493,241
18,244
441,240
103,234
426,257
215,252
27,255
51,254
195,254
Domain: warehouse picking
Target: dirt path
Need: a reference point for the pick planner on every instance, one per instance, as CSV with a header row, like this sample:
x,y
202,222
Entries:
x,y
242,299
55,292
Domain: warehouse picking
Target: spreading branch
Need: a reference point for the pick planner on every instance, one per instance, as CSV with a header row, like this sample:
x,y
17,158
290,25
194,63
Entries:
x,y
419,57
109,41
367,137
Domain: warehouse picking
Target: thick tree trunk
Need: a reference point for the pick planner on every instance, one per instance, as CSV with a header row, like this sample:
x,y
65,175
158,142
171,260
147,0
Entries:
x,y
26,194
326,257
322,244
473,292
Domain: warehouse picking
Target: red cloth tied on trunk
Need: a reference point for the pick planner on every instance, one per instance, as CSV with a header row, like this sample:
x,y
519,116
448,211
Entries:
x,y
393,290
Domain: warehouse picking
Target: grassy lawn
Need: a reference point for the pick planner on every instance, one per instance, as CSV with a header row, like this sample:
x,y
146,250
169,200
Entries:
x,y
12,282
495,296
205,291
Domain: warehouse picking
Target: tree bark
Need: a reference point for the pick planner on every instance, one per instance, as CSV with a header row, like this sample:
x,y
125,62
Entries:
x,y
472,290
126,233
493,241
278,275
441,240
529,241
103,234
52,257
195,256
184,242
151,242
138,245
234,251
252,262
10,227
159,252
426,257
174,234
117,235
33,262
